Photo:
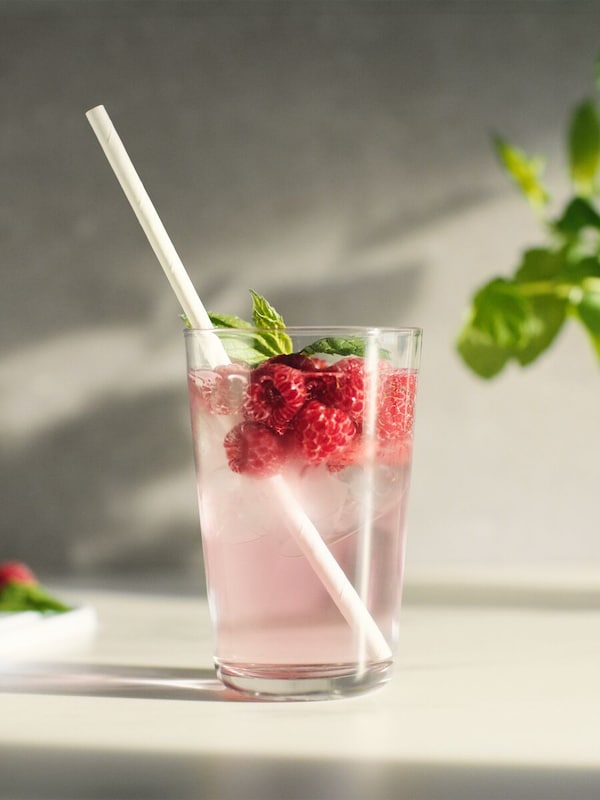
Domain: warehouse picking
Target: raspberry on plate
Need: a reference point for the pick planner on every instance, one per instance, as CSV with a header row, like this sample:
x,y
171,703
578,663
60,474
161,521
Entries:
x,y
274,396
323,432
16,572
252,449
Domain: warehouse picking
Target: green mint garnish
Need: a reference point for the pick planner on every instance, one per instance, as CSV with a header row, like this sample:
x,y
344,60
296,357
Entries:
x,y
269,337
517,318
335,345
26,597
228,321
271,340
266,317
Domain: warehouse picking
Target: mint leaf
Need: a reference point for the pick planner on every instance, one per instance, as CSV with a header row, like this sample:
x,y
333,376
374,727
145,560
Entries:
x,y
228,321
524,171
337,346
23,597
250,349
266,333
263,313
264,316
584,147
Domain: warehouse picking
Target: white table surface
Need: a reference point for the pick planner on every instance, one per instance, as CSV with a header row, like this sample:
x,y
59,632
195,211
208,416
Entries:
x,y
496,694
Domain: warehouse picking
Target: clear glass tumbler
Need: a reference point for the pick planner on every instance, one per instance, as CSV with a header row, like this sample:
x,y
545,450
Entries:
x,y
303,463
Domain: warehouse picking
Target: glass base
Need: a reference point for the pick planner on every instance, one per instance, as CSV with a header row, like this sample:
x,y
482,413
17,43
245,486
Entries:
x,y
303,682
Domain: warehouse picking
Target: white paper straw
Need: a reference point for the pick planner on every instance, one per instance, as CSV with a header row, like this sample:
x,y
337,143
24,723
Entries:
x,y
154,229
314,548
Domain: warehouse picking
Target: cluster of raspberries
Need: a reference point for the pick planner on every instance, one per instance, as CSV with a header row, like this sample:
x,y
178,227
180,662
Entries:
x,y
293,406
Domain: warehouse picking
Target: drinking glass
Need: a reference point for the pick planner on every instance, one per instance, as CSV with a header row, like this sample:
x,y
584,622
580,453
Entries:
x,y
303,462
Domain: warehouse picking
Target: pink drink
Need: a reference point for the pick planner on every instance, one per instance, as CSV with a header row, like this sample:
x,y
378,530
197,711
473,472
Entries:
x,y
340,436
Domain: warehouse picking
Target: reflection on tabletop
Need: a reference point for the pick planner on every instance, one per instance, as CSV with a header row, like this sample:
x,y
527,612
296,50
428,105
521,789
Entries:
x,y
102,680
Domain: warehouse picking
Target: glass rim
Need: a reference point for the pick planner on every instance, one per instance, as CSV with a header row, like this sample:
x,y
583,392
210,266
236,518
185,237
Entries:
x,y
356,330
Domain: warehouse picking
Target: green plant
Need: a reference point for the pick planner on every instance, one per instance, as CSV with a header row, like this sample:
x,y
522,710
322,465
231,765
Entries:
x,y
517,318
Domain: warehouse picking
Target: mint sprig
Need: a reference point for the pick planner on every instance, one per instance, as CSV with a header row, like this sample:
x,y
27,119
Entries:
x,y
266,333
272,340
29,597
517,318
267,337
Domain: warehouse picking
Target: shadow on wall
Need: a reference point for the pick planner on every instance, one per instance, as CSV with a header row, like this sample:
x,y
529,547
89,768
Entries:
x,y
99,469
366,299
292,152
76,489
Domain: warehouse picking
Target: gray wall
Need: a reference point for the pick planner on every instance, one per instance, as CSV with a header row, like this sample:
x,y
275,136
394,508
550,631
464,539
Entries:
x,y
332,155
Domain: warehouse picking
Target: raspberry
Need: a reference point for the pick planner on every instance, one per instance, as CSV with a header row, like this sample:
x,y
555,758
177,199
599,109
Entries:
x,y
16,572
397,405
321,385
323,432
353,454
254,450
296,360
350,389
274,396
319,381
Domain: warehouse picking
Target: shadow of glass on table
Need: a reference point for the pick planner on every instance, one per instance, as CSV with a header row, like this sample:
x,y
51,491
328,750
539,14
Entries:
x,y
108,680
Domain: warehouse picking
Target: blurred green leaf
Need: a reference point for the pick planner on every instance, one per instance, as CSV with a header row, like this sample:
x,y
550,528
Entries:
x,y
588,311
550,313
578,214
504,324
577,270
480,353
501,313
540,263
28,597
524,170
584,147
518,318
